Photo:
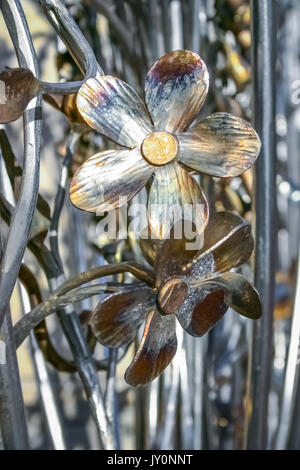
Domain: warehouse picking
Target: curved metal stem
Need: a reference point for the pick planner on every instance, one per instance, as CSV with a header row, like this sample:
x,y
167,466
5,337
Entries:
x,y
71,35
20,226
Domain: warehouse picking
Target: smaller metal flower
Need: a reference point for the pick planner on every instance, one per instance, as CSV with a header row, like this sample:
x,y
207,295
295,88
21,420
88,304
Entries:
x,y
197,289
176,86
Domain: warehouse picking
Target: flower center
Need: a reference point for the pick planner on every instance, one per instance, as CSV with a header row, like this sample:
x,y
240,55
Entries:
x,y
159,148
171,296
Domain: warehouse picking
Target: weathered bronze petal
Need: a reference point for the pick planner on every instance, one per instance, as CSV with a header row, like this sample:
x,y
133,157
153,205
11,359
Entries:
x,y
175,195
176,87
17,87
242,295
171,295
171,258
117,318
156,351
112,107
223,145
109,179
228,243
202,308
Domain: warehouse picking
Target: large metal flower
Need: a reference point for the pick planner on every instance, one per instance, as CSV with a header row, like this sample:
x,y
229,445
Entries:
x,y
176,86
197,289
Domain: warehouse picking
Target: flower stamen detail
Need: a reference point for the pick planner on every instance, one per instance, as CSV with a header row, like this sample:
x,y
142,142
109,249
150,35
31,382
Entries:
x,y
159,148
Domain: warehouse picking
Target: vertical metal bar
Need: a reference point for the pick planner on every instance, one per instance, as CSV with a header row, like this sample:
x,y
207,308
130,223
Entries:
x,y
48,399
293,442
263,63
111,396
291,373
200,349
21,222
12,417
176,22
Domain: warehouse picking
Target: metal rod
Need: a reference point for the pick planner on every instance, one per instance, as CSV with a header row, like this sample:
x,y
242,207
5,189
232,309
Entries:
x,y
12,416
71,35
110,395
48,398
263,62
13,428
20,226
291,373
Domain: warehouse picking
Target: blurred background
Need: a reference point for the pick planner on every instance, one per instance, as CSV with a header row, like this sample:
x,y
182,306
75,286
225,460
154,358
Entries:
x,y
201,401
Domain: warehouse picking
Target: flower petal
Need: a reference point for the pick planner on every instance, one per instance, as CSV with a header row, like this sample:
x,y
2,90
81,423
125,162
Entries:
x,y
228,243
174,196
202,308
117,318
108,179
156,351
223,145
112,107
171,258
176,87
243,297
17,87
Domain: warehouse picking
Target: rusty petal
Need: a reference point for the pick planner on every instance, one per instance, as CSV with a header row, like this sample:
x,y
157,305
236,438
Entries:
x,y
202,308
172,258
176,87
223,145
17,87
243,297
171,295
108,179
219,227
173,192
228,243
112,107
156,351
117,318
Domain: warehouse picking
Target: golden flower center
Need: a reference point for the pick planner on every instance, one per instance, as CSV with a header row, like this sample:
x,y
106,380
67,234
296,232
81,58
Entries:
x,y
159,148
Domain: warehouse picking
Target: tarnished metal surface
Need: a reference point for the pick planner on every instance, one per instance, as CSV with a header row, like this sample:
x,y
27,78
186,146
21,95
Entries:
x,y
172,193
109,179
112,107
223,145
175,89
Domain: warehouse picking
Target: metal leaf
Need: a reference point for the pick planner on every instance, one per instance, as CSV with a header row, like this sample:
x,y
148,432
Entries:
x,y
156,351
176,87
171,258
17,87
243,297
202,308
223,145
228,243
117,318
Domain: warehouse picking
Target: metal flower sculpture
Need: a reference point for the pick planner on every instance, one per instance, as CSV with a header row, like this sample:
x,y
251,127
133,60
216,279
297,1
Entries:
x,y
158,141
197,288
